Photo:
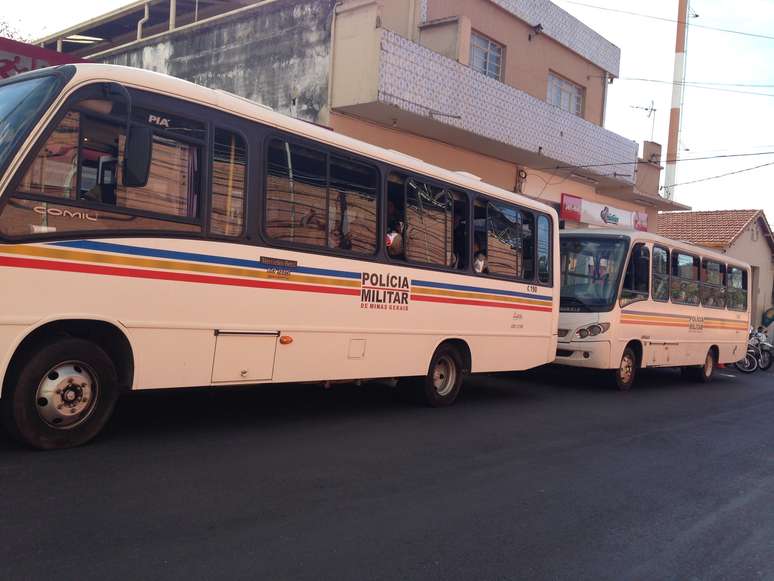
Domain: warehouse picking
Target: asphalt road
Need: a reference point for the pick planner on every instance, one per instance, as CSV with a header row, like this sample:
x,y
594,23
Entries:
x,y
544,475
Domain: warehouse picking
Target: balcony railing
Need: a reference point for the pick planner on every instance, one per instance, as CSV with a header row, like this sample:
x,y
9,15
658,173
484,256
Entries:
x,y
427,84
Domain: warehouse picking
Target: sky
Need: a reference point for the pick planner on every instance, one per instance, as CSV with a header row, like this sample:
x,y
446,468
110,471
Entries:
x,y
717,121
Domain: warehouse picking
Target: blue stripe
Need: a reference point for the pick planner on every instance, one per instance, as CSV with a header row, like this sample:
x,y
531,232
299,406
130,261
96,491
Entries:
x,y
190,256
477,289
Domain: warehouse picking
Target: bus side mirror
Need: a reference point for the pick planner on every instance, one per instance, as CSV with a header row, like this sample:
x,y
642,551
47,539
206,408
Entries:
x,y
137,156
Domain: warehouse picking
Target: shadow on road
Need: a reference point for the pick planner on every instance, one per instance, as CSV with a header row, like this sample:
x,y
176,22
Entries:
x,y
154,414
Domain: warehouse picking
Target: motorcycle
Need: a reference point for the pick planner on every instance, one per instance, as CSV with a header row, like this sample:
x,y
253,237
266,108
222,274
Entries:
x,y
758,356
765,348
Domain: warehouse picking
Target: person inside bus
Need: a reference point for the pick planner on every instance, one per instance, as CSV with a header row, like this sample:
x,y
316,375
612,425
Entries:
x,y
395,231
480,264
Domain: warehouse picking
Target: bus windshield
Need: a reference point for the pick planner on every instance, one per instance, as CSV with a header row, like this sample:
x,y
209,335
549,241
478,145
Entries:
x,y
20,105
591,269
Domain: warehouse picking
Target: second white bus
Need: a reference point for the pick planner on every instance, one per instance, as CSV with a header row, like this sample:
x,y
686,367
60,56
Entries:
x,y
632,299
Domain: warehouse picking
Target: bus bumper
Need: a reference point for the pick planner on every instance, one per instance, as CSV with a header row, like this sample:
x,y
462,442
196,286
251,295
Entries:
x,y
594,354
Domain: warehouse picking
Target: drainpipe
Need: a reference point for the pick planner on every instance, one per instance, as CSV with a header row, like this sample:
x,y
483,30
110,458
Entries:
x,y
143,20
332,56
172,14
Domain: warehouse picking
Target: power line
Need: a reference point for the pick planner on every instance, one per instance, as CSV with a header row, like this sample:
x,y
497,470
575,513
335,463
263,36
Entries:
x,y
692,85
722,175
663,19
677,160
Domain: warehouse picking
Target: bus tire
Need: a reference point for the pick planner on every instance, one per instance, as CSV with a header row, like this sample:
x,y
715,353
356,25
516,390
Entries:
x,y
626,372
60,395
702,373
443,382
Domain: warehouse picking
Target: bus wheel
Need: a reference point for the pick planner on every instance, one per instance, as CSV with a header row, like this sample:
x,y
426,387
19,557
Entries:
x,y
61,395
443,382
627,370
702,373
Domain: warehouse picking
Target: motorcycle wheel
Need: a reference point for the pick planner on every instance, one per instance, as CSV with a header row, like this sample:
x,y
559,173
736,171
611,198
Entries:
x,y
765,360
747,365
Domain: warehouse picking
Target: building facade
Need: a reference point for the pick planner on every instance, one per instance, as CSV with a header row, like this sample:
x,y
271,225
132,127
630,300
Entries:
x,y
512,91
742,234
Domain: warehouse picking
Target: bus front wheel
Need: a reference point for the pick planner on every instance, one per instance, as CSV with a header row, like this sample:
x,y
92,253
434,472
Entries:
x,y
60,395
627,370
443,382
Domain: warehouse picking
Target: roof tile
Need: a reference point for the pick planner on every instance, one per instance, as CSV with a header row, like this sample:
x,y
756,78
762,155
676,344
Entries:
x,y
717,228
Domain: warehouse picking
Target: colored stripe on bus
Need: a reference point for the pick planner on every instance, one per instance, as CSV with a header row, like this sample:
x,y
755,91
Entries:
x,y
516,306
478,296
494,291
168,276
195,257
139,262
673,320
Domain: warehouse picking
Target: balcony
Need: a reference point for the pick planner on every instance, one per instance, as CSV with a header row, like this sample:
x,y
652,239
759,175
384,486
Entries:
x,y
383,77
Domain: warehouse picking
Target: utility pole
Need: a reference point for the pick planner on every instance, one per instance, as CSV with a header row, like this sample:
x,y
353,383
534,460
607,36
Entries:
x,y
678,85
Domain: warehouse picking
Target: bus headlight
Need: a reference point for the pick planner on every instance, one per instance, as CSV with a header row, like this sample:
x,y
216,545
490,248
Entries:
x,y
591,330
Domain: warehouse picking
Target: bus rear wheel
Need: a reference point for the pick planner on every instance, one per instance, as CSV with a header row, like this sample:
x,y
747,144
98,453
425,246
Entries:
x,y
60,395
627,370
443,382
702,373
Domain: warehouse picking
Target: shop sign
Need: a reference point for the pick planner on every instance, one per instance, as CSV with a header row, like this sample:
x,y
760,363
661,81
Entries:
x,y
20,57
592,213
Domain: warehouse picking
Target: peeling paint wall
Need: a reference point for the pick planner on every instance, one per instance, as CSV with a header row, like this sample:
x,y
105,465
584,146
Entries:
x,y
272,54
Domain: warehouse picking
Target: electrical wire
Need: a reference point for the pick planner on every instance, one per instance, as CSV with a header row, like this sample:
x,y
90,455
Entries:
x,y
722,175
664,19
590,165
691,85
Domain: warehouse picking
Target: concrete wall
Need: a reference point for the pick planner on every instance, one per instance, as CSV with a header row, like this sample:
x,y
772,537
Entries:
x,y
752,247
528,62
273,53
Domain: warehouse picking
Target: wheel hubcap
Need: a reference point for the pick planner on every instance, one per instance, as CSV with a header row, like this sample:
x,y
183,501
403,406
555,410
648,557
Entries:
x,y
626,369
708,365
444,376
66,395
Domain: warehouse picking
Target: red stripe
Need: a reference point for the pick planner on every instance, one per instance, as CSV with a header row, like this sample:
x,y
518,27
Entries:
x,y
516,306
165,275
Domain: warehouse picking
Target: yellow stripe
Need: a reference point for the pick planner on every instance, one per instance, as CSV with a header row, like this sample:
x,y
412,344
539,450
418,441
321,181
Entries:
x,y
479,296
77,256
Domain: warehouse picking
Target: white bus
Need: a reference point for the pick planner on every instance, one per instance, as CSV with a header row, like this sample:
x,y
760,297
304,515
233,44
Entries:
x,y
632,299
158,234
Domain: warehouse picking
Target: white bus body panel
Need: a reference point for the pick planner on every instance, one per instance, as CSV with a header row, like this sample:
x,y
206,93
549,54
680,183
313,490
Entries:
x,y
174,299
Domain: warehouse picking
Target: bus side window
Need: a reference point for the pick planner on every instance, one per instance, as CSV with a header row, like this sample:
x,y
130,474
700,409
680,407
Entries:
x,y
685,279
544,249
429,224
660,274
510,241
352,206
296,194
229,171
713,289
736,296
319,199
74,182
636,286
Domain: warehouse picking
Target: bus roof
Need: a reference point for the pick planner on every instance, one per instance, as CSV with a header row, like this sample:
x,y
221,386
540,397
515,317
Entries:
x,y
222,100
639,235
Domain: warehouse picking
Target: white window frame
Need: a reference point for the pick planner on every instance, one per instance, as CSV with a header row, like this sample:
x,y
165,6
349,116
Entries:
x,y
493,53
565,94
